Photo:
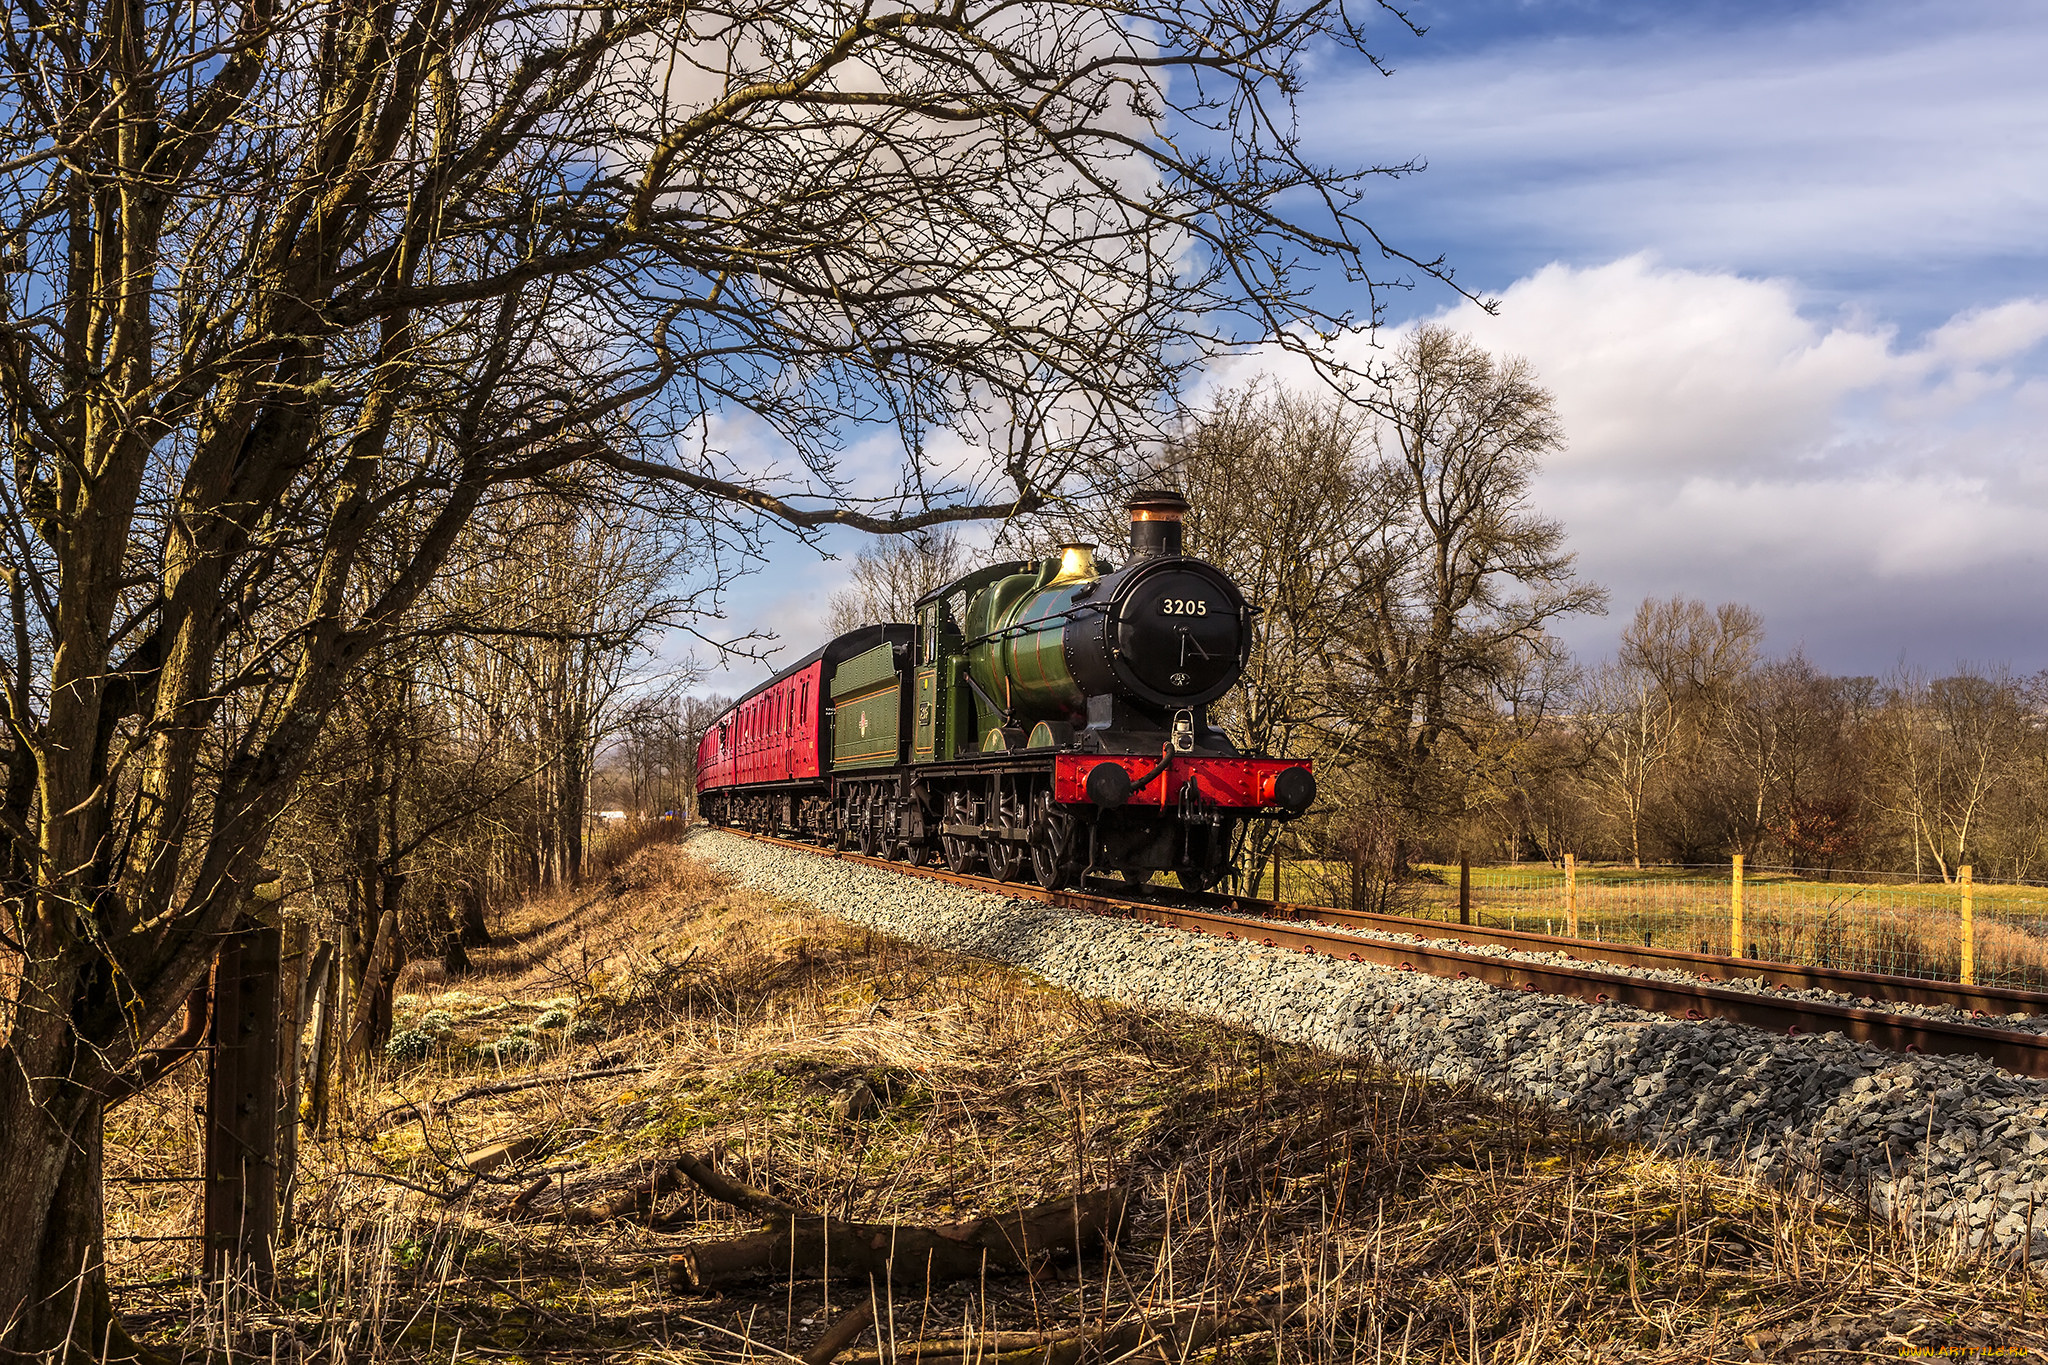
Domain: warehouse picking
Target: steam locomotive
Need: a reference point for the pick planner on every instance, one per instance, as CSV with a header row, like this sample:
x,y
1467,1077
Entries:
x,y
1049,714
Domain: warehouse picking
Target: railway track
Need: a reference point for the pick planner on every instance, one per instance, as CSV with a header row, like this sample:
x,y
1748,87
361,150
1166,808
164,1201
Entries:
x,y
1321,930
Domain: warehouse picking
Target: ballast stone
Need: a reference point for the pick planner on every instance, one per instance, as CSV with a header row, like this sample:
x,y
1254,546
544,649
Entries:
x,y
1953,1139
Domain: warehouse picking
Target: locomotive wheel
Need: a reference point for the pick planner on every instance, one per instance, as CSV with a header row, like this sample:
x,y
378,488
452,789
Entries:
x,y
1052,844
917,855
1138,876
870,838
1197,879
1004,861
1046,867
960,852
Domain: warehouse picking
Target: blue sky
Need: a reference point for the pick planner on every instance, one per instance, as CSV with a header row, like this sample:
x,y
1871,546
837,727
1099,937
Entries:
x,y
1784,267
1882,154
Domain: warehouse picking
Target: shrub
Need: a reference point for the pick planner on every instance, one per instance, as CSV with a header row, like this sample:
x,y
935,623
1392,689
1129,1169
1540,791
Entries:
x,y
511,1048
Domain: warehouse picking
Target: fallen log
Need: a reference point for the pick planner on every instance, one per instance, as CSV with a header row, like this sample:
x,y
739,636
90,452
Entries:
x,y
637,1202
527,1194
802,1244
484,1160
841,1334
729,1191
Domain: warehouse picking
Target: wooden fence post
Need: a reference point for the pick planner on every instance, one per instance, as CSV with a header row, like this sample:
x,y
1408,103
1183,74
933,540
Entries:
x,y
1969,972
1735,909
1464,888
242,1105
1571,896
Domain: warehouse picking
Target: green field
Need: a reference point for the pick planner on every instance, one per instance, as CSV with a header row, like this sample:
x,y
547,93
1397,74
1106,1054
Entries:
x,y
1893,926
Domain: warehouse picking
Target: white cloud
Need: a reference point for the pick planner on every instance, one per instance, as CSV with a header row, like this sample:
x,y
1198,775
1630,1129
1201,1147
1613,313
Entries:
x,y
1990,335
1678,369
1724,443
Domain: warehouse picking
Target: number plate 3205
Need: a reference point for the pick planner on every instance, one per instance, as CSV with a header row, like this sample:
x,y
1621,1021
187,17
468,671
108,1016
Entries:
x,y
1183,606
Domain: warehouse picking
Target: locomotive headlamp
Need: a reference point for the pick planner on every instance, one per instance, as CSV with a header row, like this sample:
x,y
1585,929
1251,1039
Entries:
x,y
1295,789
1184,731
1109,785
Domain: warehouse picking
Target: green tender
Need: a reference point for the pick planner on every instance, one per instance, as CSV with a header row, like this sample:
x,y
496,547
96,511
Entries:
x,y
864,670
864,727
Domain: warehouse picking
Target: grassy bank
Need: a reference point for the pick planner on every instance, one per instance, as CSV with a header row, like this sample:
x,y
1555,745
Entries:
x,y
1364,1216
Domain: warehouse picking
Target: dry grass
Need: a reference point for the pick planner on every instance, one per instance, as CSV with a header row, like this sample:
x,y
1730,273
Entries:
x,y
1378,1217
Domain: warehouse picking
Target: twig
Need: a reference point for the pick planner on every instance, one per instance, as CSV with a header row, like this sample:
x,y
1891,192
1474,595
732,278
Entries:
x,y
732,1191
444,1195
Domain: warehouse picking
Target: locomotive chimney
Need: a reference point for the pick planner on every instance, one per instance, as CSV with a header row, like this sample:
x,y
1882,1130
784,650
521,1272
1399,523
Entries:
x,y
1155,522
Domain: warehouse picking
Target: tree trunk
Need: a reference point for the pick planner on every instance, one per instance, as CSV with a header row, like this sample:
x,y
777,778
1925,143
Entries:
x,y
447,938
309,1016
53,1274
470,914
370,1026
328,1006
570,802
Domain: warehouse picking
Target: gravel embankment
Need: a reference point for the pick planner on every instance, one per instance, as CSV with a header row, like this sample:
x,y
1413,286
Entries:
x,y
1954,1140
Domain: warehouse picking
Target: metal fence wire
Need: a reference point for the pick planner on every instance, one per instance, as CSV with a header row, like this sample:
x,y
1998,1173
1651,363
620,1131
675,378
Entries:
x,y
1898,925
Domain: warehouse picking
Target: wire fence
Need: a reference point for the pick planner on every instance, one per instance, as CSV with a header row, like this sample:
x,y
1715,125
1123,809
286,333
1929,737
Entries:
x,y
1957,930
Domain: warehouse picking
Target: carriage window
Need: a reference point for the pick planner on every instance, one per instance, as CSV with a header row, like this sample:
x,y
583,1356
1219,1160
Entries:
x,y
931,633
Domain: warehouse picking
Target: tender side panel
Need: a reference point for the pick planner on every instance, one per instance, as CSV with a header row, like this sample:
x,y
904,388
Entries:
x,y
864,727
864,671
1235,783
867,709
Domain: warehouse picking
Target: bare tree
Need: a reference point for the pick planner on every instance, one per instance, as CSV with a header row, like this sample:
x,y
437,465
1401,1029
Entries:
x,y
1692,654
1948,744
1631,725
658,748
1468,578
888,579
1663,727
285,280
